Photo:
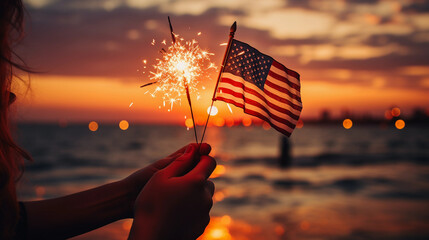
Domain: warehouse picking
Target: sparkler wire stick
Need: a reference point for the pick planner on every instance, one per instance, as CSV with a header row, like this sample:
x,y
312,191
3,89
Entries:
x,y
173,37
171,31
225,57
190,106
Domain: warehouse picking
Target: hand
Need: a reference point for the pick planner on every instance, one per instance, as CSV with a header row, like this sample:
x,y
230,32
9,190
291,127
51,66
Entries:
x,y
175,203
136,181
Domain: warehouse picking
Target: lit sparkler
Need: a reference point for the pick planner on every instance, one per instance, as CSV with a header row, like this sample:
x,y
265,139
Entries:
x,y
179,70
182,65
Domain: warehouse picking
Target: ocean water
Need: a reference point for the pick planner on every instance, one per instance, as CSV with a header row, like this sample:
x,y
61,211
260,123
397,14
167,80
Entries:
x,y
364,183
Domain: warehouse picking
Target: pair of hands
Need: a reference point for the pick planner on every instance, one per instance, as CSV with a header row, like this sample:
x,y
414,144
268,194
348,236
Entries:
x,y
173,196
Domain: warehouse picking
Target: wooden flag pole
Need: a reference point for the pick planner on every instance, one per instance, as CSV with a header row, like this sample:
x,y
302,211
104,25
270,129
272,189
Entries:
x,y
225,58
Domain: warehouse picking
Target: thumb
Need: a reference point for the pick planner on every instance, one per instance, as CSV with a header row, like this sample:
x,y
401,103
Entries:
x,y
182,164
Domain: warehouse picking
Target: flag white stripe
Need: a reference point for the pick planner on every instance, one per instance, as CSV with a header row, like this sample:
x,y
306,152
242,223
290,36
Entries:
x,y
257,99
256,109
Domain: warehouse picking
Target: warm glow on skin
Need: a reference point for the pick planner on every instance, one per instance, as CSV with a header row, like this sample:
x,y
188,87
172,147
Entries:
x,y
399,124
126,225
93,126
347,123
123,125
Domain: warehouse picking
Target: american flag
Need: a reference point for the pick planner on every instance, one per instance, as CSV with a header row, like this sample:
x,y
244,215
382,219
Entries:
x,y
261,86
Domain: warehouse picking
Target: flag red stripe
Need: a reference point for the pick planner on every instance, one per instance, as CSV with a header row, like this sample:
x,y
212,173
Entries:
x,y
280,99
287,70
262,107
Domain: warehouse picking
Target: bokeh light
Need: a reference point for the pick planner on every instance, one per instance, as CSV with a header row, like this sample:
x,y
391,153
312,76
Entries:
x,y
40,191
189,123
218,196
396,112
399,124
93,126
219,171
229,122
388,115
266,126
347,123
218,229
299,124
219,122
123,125
304,225
279,230
247,122
213,112
226,220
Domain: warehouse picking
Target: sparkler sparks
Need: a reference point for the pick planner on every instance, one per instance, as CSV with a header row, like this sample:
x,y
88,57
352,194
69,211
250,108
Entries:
x,y
182,65
229,107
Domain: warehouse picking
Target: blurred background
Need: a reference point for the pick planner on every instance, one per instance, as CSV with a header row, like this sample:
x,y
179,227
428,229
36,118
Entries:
x,y
356,166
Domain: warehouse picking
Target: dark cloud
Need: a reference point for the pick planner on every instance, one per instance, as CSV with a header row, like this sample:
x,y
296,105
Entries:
x,y
65,40
417,7
363,1
95,42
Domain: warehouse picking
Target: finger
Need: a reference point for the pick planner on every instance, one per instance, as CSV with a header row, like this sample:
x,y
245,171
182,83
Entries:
x,y
210,187
162,163
203,169
181,164
181,151
205,148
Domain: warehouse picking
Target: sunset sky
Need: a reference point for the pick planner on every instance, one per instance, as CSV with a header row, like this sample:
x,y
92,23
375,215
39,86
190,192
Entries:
x,y
361,56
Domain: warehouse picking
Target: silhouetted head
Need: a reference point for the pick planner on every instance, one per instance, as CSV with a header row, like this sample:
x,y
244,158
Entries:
x,y
11,155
